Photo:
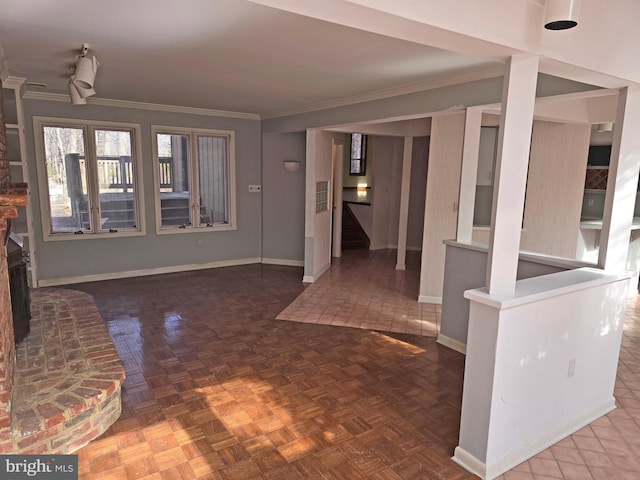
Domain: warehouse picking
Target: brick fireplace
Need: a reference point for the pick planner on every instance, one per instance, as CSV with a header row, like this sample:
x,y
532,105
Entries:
x,y
60,387
10,198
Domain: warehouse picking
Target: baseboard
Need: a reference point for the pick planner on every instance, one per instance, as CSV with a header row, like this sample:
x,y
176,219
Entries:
x,y
529,449
52,282
452,343
430,299
469,462
313,278
282,261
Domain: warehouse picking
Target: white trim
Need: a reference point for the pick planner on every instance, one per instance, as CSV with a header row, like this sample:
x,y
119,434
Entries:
x,y
452,343
467,461
313,278
146,271
443,81
11,82
429,299
88,126
109,102
282,261
194,182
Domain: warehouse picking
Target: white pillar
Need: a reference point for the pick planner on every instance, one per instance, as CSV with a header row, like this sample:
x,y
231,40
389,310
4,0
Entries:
x,y
622,182
404,203
516,121
470,154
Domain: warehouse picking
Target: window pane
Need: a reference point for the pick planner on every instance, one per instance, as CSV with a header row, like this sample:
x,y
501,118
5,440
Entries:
x,y
356,145
173,168
212,164
116,185
67,179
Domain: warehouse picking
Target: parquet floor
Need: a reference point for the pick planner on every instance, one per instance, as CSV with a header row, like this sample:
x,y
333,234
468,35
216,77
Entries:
x,y
217,388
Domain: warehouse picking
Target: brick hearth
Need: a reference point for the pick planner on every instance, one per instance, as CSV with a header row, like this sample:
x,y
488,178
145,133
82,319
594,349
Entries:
x,y
68,377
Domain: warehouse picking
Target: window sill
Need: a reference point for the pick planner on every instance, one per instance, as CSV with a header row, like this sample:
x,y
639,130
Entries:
x,y
213,228
58,237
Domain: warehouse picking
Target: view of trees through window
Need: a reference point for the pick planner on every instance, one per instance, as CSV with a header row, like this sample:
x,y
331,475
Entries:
x,y
83,199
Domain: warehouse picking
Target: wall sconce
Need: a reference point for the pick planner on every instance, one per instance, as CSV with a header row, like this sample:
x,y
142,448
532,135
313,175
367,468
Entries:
x,y
561,14
604,127
291,165
81,82
361,190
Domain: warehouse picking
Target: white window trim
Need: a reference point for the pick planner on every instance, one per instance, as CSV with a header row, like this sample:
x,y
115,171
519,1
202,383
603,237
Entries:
x,y
43,187
169,230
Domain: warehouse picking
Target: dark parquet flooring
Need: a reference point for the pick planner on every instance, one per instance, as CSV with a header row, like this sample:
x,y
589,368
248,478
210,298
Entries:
x,y
217,388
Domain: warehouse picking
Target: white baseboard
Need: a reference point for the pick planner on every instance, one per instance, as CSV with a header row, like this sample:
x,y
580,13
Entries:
x,y
51,282
430,299
313,278
529,449
282,261
452,343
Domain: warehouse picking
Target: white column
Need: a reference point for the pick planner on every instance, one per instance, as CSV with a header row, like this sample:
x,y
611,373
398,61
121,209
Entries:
x,y
518,98
622,182
404,203
470,154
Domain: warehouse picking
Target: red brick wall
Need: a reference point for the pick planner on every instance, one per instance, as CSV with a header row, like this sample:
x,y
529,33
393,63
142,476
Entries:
x,y
7,347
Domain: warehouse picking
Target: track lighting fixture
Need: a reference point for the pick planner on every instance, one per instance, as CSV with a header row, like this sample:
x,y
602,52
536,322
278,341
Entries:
x,y
81,82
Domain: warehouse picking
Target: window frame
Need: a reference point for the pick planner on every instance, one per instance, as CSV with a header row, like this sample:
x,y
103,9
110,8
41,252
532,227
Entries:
x,y
194,178
88,127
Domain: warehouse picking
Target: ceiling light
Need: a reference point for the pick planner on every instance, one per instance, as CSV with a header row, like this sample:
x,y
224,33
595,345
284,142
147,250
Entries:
x,y
561,14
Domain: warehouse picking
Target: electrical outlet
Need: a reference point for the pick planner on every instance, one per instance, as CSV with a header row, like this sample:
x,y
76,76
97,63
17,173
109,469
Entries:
x,y
590,202
198,242
571,369
255,188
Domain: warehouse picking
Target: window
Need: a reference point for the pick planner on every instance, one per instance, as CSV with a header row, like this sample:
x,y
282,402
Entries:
x,y
195,183
322,196
88,171
358,154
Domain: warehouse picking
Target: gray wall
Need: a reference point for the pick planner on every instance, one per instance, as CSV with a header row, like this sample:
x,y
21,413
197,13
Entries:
x,y
283,197
63,259
417,192
466,269
480,92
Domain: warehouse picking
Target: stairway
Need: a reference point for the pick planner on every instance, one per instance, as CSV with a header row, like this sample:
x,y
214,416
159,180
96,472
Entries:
x,y
353,235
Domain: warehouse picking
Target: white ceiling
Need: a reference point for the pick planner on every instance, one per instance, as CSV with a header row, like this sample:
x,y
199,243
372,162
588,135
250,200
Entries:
x,y
219,54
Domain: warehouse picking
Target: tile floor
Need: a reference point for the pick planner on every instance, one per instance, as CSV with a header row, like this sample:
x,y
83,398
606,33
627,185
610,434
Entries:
x,y
217,388
364,290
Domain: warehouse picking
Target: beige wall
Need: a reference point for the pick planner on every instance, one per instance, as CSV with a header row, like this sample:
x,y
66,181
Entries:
x,y
443,186
555,188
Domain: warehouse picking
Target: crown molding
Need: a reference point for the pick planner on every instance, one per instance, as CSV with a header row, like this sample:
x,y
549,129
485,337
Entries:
x,y
431,84
4,70
13,82
109,102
